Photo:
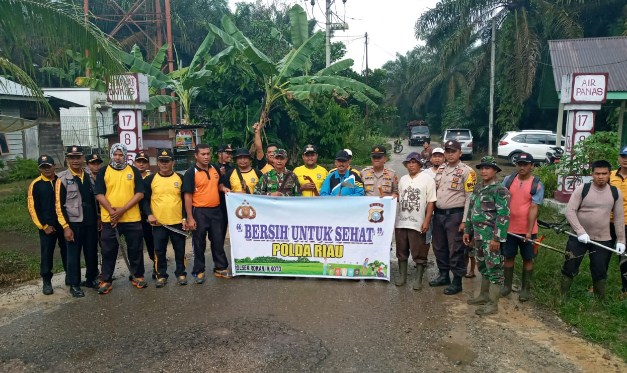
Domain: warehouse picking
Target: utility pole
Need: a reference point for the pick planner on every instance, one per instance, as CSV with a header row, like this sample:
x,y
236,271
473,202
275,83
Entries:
x,y
366,36
327,15
492,61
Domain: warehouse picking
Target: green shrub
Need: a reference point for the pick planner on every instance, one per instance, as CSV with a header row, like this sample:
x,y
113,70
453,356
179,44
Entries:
x,y
601,145
548,176
23,169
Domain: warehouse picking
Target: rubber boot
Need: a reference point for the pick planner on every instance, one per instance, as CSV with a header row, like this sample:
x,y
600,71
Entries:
x,y
483,296
455,286
507,284
525,288
402,273
420,270
599,289
442,280
565,287
492,307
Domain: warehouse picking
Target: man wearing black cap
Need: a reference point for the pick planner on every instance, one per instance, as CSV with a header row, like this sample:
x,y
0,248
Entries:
x,y
243,178
41,210
527,193
163,204
343,180
310,174
225,155
94,163
76,206
378,179
142,163
413,217
454,185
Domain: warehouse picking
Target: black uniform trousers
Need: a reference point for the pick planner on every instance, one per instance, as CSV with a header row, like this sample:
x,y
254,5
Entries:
x,y
47,243
85,240
133,236
599,258
161,236
447,242
148,239
209,221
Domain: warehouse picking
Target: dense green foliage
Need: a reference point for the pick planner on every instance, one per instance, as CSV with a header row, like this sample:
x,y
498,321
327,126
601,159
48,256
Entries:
x,y
599,146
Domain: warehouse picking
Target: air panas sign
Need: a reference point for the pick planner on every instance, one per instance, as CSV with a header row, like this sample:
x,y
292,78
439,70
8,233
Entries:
x,y
589,88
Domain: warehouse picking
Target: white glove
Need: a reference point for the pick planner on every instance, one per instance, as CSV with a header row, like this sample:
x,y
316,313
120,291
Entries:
x,y
620,247
584,238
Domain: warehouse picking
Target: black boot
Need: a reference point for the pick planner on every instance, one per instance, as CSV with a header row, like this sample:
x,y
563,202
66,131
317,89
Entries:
x,y
525,289
455,287
599,289
76,291
47,288
402,273
565,287
442,280
91,284
508,272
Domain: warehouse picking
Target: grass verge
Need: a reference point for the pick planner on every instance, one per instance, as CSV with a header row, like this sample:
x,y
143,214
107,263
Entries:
x,y
600,322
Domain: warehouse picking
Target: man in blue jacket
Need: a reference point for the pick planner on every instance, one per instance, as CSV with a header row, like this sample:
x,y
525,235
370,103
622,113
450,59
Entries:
x,y
342,181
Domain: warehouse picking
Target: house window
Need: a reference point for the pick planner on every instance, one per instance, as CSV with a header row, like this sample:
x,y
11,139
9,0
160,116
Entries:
x,y
4,146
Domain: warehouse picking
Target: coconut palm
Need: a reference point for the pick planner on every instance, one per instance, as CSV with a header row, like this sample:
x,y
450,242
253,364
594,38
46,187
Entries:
x,y
48,27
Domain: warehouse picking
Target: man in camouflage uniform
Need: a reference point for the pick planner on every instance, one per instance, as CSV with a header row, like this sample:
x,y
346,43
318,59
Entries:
x,y
486,224
279,181
378,179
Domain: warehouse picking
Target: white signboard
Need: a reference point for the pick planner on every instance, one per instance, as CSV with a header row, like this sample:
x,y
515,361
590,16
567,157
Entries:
x,y
589,88
128,88
130,132
329,237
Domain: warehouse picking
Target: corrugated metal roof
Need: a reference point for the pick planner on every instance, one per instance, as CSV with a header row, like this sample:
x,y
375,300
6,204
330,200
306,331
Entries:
x,y
11,88
591,55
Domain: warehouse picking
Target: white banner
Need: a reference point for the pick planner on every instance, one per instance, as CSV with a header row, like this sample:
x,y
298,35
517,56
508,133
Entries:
x,y
336,237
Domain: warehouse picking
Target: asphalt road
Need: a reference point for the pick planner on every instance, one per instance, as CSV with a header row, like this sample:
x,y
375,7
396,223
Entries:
x,y
283,324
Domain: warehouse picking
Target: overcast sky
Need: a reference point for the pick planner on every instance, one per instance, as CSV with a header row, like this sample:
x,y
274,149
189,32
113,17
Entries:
x,y
389,24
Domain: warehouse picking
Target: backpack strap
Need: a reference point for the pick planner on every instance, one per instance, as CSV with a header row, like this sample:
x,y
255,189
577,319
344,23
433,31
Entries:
x,y
241,180
534,185
614,192
510,180
586,189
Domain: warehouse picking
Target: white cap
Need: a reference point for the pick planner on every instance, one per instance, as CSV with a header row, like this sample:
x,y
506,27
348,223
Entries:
x,y
351,153
437,150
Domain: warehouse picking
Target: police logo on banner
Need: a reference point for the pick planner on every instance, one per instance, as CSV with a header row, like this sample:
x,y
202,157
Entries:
x,y
375,214
245,211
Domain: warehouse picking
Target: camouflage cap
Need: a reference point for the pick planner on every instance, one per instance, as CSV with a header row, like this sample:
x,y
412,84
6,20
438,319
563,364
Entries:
x,y
280,153
489,161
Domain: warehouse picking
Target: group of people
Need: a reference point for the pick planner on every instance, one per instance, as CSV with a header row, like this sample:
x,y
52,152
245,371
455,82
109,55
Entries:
x,y
440,204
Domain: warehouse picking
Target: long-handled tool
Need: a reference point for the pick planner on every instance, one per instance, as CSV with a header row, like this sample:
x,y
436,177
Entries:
x,y
560,229
187,234
309,179
569,255
345,184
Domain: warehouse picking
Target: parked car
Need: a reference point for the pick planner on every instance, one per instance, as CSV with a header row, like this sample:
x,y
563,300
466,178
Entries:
x,y
535,142
419,135
463,135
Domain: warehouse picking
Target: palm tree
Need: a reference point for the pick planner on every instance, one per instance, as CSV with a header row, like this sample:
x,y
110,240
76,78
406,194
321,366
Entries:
x,y
48,26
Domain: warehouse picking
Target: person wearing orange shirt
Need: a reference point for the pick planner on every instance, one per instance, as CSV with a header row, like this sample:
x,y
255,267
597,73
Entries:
x,y
201,186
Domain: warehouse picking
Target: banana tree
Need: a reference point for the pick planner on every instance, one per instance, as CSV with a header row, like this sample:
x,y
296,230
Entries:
x,y
290,78
185,82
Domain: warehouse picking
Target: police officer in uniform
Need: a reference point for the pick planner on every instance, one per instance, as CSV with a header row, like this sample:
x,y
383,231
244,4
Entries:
x,y
378,179
76,206
455,182
94,163
41,210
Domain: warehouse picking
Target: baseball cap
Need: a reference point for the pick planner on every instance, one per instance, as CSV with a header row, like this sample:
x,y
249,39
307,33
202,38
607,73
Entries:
x,y
623,151
242,152
524,157
342,155
349,152
489,161
94,158
437,150
378,150
280,153
164,154
45,160
225,148
142,155
74,150
413,155
310,149
453,144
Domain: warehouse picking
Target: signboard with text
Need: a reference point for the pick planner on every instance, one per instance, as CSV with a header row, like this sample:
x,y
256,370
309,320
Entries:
x,y
130,132
589,88
128,88
330,237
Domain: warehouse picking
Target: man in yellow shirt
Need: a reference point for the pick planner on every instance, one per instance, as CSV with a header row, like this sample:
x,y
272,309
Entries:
x,y
310,175
119,188
618,178
243,178
163,205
